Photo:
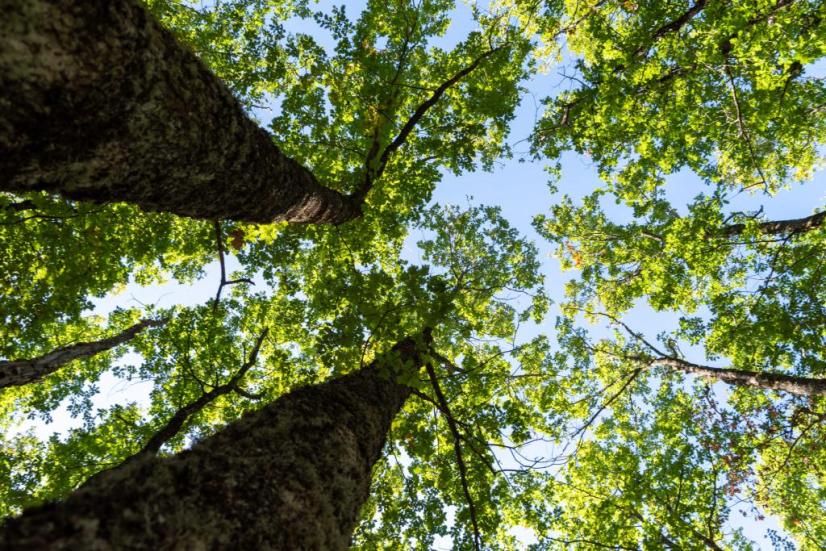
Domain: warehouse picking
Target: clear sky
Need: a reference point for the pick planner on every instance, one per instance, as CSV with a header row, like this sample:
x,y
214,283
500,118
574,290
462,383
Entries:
x,y
520,189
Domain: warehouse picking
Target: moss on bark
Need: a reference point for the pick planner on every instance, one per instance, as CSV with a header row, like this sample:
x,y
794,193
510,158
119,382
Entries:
x,y
292,475
100,102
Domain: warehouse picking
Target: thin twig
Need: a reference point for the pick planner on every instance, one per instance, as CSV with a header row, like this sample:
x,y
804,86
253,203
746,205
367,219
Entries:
x,y
460,461
224,282
744,133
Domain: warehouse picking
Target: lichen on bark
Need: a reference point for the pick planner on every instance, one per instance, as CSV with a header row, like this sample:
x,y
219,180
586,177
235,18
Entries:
x,y
292,475
100,102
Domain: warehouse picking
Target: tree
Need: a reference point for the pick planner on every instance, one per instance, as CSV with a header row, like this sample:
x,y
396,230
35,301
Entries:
x,y
580,440
160,131
311,488
744,287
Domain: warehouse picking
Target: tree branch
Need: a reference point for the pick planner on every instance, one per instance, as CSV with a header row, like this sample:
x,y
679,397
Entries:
x,y
741,123
457,446
802,386
224,282
780,227
177,421
372,175
672,26
22,372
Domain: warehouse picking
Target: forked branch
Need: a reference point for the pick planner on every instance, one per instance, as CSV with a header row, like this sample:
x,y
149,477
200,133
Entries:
x,y
801,386
177,421
224,281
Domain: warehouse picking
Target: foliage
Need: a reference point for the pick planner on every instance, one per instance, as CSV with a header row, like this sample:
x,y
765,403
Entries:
x,y
729,94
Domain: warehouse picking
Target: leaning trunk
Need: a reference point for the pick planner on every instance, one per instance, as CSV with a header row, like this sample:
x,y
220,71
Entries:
x,y
292,475
99,102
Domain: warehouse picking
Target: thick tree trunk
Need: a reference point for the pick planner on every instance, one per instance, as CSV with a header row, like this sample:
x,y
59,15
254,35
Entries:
x,y
291,476
99,102
23,372
803,386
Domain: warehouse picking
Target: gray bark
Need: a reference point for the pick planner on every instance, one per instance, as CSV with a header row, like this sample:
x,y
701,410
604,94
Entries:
x,y
292,475
803,386
99,102
781,227
23,372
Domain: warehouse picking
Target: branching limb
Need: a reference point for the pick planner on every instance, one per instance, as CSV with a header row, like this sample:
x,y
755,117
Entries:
x,y
803,386
781,227
469,439
177,421
22,372
670,27
607,403
372,175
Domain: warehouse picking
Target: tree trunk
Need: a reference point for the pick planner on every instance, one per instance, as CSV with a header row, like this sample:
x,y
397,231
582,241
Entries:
x,y
803,386
99,102
290,476
23,372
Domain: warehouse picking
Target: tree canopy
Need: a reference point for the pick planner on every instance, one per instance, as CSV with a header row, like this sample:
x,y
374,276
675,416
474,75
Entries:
x,y
537,420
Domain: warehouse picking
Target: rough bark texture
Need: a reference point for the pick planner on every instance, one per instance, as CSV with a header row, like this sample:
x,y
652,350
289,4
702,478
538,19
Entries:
x,y
291,476
803,386
99,102
23,372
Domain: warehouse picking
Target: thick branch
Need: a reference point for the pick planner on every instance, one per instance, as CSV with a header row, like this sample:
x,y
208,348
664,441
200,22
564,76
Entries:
x,y
410,125
672,26
781,227
22,372
803,386
173,426
99,102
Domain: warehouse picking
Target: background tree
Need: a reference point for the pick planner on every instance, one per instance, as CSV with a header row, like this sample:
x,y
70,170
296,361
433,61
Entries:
x,y
728,93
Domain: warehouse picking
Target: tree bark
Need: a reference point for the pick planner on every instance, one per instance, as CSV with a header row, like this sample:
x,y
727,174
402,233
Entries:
x,y
23,372
803,386
781,227
292,475
99,102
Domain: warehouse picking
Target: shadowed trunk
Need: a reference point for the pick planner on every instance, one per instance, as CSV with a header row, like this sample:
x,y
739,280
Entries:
x,y
290,476
803,386
99,102
23,372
